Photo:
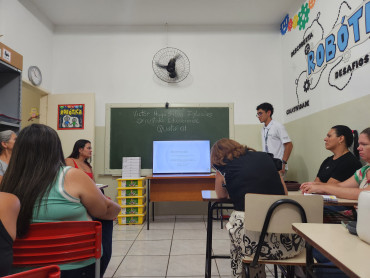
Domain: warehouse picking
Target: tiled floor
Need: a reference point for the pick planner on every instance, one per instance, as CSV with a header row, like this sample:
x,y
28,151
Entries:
x,y
175,246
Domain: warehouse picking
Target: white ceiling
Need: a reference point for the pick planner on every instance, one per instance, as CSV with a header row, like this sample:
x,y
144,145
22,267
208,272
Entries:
x,y
75,13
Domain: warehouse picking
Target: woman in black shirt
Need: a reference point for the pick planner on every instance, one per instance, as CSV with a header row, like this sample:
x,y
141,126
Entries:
x,y
241,170
342,164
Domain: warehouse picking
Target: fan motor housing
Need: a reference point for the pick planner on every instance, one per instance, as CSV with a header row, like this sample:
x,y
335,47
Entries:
x,y
171,65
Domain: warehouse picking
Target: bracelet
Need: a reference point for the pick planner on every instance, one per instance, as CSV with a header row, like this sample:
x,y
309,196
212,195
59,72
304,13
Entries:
x,y
284,162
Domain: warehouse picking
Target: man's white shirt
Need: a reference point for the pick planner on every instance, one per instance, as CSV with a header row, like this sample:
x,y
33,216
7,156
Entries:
x,y
274,136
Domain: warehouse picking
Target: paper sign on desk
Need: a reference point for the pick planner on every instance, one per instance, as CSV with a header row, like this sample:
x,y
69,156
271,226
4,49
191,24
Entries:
x,y
327,198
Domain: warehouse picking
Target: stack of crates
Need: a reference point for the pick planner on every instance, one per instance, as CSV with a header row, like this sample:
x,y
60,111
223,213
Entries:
x,y
132,198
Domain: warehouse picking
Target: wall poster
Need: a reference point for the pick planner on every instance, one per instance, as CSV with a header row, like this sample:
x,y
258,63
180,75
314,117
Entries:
x,y
71,116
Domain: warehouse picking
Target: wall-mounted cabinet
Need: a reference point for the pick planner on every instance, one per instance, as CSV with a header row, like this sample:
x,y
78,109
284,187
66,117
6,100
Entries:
x,y
10,88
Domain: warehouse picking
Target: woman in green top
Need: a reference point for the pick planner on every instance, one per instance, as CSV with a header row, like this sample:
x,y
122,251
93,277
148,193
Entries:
x,y
49,191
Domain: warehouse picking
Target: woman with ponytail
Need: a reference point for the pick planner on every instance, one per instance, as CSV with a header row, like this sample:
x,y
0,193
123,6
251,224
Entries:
x,y
352,187
342,164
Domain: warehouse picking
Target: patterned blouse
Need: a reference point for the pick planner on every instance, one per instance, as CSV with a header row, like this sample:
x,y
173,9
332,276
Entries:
x,y
360,176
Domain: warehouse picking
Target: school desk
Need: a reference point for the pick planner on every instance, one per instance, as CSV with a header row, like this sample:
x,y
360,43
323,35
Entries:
x,y
175,188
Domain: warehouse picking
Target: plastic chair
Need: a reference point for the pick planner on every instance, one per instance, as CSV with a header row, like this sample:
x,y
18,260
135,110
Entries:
x,y
275,214
51,271
59,243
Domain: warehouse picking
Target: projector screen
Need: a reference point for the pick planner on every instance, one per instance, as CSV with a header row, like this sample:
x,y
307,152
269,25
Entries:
x,y
181,157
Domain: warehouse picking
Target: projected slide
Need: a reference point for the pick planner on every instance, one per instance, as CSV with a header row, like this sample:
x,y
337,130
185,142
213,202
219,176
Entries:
x,y
181,157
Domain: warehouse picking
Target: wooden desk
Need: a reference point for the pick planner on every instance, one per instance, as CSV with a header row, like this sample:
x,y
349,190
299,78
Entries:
x,y
346,251
341,202
214,203
210,195
172,188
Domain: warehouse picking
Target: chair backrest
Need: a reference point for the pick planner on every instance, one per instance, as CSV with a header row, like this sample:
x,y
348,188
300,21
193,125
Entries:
x,y
51,271
58,243
257,206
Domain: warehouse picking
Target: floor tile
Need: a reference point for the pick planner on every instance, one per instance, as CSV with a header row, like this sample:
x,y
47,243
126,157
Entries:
x,y
221,246
155,234
173,217
150,266
150,247
121,247
112,267
224,266
188,247
190,224
127,227
184,216
190,234
125,235
188,265
218,233
162,224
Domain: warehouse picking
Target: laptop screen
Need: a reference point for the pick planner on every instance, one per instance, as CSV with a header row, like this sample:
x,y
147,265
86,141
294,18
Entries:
x,y
181,157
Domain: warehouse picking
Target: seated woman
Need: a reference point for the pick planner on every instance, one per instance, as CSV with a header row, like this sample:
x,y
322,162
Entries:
x,y
9,209
241,170
80,158
350,188
7,140
342,164
50,192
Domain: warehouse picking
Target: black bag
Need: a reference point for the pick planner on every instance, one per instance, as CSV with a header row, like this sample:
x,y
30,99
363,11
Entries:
x,y
278,163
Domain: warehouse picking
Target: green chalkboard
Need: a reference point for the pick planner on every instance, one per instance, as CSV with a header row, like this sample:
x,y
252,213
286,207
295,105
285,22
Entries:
x,y
130,131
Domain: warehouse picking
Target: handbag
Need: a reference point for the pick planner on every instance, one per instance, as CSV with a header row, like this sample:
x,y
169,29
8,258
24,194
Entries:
x,y
277,162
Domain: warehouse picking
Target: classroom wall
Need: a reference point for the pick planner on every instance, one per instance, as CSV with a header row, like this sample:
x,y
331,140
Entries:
x,y
29,36
308,135
31,96
49,116
116,64
330,83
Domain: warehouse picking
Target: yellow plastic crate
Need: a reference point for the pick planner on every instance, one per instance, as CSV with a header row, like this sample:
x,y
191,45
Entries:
x,y
131,219
131,182
134,209
131,200
131,191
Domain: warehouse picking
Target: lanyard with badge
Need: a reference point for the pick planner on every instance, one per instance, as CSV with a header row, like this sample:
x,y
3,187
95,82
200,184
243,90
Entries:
x,y
266,136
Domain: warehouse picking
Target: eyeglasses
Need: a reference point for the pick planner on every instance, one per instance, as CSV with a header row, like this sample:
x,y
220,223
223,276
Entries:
x,y
259,114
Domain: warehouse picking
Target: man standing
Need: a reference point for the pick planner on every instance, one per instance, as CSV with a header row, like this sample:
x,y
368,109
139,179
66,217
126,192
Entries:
x,y
275,138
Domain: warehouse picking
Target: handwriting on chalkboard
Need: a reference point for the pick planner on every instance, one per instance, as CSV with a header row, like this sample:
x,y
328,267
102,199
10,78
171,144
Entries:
x,y
172,120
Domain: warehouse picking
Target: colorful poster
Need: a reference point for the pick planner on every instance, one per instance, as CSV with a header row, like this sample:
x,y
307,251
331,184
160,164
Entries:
x,y
71,116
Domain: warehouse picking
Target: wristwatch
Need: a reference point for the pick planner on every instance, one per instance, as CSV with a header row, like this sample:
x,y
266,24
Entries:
x,y
284,162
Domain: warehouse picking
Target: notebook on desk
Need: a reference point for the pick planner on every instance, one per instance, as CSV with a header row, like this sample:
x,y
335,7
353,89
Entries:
x,y
181,158
327,198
